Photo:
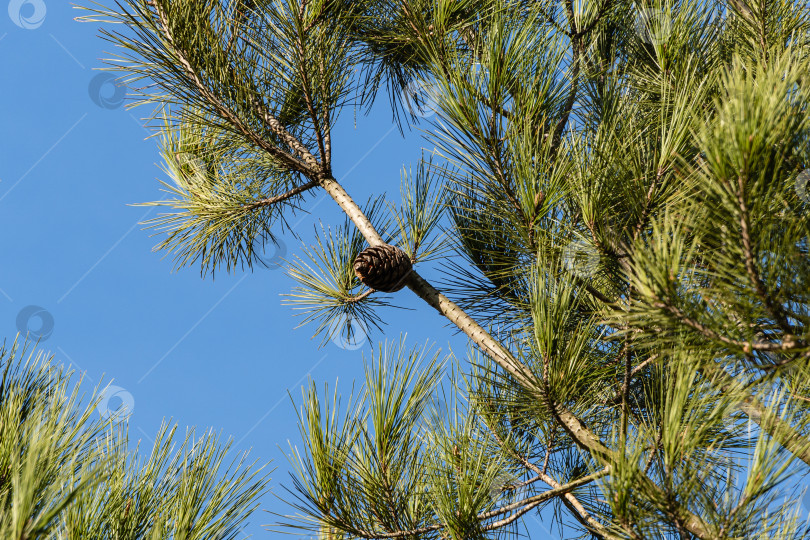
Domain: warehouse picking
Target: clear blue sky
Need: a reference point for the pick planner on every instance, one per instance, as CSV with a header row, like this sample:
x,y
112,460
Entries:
x,y
219,353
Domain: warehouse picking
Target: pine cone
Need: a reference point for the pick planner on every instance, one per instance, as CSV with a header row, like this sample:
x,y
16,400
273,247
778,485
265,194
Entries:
x,y
383,268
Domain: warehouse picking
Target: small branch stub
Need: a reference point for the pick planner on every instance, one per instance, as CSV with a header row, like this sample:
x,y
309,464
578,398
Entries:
x,y
384,268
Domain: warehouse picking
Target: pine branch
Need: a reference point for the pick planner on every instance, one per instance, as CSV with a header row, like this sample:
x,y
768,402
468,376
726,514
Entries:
x,y
292,162
777,428
750,265
529,503
520,508
578,509
788,344
573,425
283,197
576,49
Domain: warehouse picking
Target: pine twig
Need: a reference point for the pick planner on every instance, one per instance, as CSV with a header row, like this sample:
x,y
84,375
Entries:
x,y
284,196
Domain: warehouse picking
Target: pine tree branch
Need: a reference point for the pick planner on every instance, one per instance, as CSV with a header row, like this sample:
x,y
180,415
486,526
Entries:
x,y
769,422
302,71
774,309
521,506
350,208
470,327
603,9
645,213
327,120
318,16
495,152
777,428
576,507
527,504
593,291
275,126
644,364
427,292
576,51
469,37
625,390
311,163
284,196
555,24
359,297
236,26
788,344
573,425
583,437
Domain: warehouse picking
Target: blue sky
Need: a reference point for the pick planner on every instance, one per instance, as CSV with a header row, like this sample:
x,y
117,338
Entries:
x,y
79,270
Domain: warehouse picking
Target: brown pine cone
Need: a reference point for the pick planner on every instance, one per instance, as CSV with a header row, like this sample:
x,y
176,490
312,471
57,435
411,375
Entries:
x,y
383,268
